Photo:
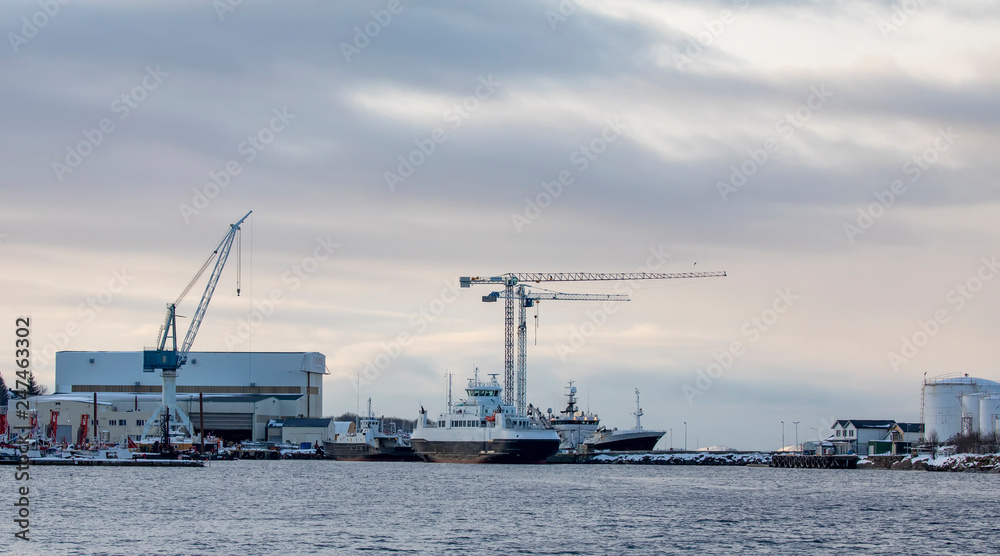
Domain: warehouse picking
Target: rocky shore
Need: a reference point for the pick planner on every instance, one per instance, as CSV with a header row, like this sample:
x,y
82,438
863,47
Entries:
x,y
989,463
699,458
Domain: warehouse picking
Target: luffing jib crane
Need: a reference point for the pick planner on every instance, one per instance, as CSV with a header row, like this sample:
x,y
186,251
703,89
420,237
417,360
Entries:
x,y
169,358
512,294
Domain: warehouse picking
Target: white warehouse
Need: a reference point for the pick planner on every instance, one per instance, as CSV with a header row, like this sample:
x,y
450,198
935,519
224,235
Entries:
x,y
960,404
241,391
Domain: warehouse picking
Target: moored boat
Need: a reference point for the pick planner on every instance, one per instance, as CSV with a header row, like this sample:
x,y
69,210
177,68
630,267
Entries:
x,y
369,441
625,440
574,426
481,429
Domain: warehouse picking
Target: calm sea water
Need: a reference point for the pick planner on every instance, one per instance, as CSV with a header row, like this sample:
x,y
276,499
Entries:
x,y
320,507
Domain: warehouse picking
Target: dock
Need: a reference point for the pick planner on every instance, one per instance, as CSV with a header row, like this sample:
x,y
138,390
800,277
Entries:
x,y
111,462
815,462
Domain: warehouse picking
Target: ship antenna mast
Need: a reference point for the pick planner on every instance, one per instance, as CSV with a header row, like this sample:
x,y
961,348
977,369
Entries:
x,y
449,391
638,411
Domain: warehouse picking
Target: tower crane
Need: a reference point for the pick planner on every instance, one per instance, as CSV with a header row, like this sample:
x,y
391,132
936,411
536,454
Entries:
x,y
169,358
528,298
511,294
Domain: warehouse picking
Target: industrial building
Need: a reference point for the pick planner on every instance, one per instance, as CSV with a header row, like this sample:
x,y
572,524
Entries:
x,y
241,392
960,404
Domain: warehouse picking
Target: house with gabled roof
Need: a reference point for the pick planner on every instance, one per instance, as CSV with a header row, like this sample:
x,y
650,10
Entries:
x,y
848,434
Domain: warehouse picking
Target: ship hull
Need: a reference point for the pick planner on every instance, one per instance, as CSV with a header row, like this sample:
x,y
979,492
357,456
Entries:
x,y
491,451
627,442
366,452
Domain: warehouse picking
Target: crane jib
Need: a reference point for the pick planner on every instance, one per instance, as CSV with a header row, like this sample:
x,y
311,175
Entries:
x,y
516,298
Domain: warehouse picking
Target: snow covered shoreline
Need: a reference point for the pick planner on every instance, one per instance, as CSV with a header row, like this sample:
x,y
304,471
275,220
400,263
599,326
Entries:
x,y
686,458
988,463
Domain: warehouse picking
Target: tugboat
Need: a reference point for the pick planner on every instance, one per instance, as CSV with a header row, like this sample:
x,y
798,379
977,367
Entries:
x,y
370,443
635,439
574,426
481,429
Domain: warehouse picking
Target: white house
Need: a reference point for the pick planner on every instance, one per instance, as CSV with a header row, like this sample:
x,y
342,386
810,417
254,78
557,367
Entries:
x,y
848,434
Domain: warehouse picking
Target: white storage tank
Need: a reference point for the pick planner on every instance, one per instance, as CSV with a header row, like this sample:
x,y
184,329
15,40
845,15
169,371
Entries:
x,y
943,408
989,414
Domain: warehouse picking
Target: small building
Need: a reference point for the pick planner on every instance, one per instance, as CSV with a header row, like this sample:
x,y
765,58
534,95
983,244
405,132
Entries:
x,y
849,434
900,439
303,431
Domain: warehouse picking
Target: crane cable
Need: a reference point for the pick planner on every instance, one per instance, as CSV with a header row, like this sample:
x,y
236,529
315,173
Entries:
x,y
239,259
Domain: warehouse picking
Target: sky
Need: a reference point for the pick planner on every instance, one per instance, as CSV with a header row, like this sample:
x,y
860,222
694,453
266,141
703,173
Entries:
x,y
836,159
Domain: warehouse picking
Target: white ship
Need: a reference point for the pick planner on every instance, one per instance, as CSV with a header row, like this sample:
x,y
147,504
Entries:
x,y
481,429
574,426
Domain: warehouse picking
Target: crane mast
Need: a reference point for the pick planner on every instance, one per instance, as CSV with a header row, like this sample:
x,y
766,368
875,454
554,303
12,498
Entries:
x,y
528,298
513,295
168,359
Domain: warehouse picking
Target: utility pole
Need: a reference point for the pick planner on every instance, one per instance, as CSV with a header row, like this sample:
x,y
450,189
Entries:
x,y
671,440
685,436
796,423
782,436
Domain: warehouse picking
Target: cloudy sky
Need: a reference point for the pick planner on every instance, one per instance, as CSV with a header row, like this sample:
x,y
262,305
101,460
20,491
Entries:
x,y
837,159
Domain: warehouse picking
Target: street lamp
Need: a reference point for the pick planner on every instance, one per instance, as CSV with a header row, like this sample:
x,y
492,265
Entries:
x,y
685,436
782,436
796,423
671,440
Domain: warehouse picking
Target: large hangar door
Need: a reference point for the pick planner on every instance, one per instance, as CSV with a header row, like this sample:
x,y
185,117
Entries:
x,y
230,426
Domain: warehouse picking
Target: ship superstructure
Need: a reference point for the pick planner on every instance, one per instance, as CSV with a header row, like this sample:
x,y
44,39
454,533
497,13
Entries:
x,y
482,429
625,440
370,441
573,425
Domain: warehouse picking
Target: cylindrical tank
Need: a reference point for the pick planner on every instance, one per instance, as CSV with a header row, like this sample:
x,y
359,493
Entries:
x,y
943,403
989,413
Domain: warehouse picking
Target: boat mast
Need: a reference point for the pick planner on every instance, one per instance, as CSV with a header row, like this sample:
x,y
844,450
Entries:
x,y
638,411
449,392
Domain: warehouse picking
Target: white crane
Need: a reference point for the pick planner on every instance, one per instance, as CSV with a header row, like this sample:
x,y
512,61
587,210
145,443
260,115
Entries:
x,y
512,293
169,359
